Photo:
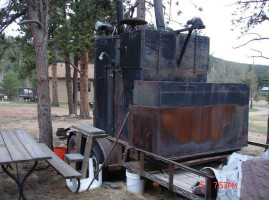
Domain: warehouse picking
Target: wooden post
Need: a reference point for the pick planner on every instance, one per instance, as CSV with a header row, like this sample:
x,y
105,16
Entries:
x,y
87,154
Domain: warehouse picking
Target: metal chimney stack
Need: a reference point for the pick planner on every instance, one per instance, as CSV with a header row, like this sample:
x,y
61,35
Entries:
x,y
158,8
119,7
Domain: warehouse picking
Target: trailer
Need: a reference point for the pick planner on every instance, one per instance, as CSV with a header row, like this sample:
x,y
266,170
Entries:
x,y
163,120
28,94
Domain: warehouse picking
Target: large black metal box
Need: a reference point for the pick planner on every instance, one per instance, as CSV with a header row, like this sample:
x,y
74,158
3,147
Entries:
x,y
156,54
165,94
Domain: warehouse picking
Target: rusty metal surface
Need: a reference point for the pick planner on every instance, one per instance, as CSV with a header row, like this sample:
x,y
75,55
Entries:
x,y
187,131
204,160
106,146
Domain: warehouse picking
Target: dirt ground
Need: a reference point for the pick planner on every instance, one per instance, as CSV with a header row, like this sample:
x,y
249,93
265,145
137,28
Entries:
x,y
46,184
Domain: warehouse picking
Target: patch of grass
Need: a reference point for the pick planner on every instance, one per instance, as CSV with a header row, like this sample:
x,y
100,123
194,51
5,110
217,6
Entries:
x,y
262,118
257,128
253,109
10,103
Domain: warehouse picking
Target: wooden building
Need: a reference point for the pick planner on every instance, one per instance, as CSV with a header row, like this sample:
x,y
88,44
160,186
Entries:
x,y
61,82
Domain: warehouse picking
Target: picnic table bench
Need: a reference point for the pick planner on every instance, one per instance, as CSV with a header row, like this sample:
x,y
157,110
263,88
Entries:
x,y
17,146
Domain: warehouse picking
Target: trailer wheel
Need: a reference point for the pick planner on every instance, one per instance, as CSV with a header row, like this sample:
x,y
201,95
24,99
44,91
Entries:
x,y
71,146
96,153
97,157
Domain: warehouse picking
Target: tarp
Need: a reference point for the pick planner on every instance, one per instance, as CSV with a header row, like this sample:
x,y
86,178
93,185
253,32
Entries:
x,y
244,177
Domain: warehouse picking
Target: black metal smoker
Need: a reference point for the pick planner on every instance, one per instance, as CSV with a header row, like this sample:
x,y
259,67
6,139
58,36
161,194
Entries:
x,y
176,118
161,78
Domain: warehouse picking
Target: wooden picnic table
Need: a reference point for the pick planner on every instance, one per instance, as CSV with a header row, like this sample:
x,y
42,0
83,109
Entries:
x,y
17,146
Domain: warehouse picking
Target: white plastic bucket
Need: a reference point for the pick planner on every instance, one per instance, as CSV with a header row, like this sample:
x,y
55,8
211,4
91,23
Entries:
x,y
134,183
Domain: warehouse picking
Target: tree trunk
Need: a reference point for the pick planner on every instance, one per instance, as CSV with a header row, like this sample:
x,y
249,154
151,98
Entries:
x,y
69,84
36,10
55,101
84,104
267,140
252,86
75,87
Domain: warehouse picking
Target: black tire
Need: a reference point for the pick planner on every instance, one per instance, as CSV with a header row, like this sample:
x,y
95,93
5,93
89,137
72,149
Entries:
x,y
97,156
71,145
96,153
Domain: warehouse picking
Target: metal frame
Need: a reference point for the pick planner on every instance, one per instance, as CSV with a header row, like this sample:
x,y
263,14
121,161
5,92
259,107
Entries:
x,y
18,180
140,155
172,166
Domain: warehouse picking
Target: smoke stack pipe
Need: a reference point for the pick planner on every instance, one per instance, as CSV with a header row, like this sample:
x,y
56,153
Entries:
x,y
158,8
119,10
119,7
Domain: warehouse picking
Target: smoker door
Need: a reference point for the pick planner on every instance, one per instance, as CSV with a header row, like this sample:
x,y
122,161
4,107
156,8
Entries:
x,y
142,127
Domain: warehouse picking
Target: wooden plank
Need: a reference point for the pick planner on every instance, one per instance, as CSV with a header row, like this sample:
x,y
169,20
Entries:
x,y
111,185
16,150
31,145
88,130
59,165
5,157
74,157
87,154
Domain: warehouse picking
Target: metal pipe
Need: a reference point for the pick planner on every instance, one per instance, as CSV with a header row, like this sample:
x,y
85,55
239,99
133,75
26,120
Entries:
x,y
119,7
158,8
96,174
184,48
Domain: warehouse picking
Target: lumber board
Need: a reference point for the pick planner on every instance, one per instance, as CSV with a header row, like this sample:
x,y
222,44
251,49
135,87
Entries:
x,y
5,157
74,157
59,165
31,145
87,153
16,150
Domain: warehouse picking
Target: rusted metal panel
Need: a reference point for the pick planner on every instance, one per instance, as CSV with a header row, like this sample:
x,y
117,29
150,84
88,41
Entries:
x,y
188,131
106,146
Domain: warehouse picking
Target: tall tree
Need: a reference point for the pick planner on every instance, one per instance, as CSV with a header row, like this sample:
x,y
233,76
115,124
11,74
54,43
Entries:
x,y
82,20
247,16
84,104
37,14
55,99
75,85
68,69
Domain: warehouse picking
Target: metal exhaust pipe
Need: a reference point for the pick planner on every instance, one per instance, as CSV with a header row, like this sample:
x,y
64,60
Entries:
x,y
119,7
158,8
